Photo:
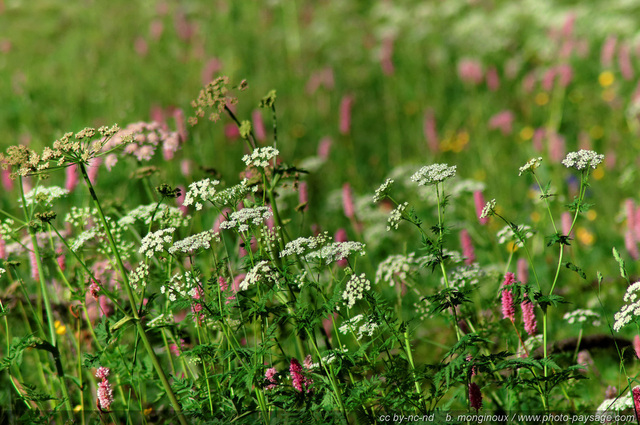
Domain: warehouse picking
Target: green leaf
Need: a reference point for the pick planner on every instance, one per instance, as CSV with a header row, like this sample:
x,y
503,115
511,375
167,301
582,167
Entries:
x,y
576,269
623,269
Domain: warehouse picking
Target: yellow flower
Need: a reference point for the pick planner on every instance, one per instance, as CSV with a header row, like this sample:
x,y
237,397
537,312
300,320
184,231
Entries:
x,y
60,328
606,78
526,133
584,236
542,99
598,173
78,408
512,247
591,215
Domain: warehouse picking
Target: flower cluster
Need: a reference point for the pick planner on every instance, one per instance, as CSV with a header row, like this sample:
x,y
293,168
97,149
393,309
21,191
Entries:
x,y
336,251
246,218
581,316
166,215
261,272
530,166
383,190
232,195
214,96
139,276
260,157
200,191
141,140
302,245
506,234
433,174
368,327
155,241
628,311
583,159
105,393
184,285
43,195
298,379
395,216
396,268
355,289
489,209
193,243
464,275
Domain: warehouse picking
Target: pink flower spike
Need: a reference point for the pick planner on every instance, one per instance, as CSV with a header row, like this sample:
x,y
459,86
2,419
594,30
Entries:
x,y
7,183
92,171
493,80
102,372
502,121
509,279
636,345
180,201
71,174
345,114
297,379
212,67
386,56
608,51
258,125
181,125
624,62
508,310
636,401
523,270
478,199
548,79
475,396
324,147
566,220
467,247
631,245
303,196
105,395
3,248
470,71
35,275
430,131
347,201
529,317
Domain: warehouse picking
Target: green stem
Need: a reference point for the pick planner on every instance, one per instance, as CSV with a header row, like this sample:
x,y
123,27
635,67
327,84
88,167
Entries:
x,y
123,271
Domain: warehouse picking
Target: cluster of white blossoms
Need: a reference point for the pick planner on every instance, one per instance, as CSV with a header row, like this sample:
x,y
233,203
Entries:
x,y
83,237
617,404
383,191
395,216
232,195
261,272
396,268
303,245
336,251
260,157
531,165
488,209
139,276
367,328
506,234
2,271
165,319
44,195
582,315
199,192
463,276
195,242
246,218
80,217
164,214
156,241
355,289
433,174
583,159
181,285
629,310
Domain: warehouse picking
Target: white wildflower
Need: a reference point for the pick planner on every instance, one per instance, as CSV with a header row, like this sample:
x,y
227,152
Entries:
x,y
367,328
616,404
156,241
181,285
583,159
167,216
232,195
582,315
488,209
199,192
261,272
44,195
260,157
2,271
506,234
336,251
302,245
246,218
531,165
195,242
161,320
395,216
139,276
628,311
383,190
433,174
463,276
355,289
396,268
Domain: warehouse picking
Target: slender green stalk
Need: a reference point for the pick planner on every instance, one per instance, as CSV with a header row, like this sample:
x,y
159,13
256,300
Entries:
x,y
140,328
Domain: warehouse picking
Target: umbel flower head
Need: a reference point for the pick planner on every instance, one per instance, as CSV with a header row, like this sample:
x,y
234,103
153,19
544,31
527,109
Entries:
x,y
583,159
433,174
69,149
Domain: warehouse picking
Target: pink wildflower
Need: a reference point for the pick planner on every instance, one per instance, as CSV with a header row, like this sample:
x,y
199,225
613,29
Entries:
x,y
61,259
324,147
538,137
105,393
297,379
94,289
470,71
185,167
386,56
478,199
624,62
308,362
102,372
181,125
345,114
180,201
184,29
547,79
475,396
71,178
502,121
556,147
3,248
7,183
631,245
636,401
347,201
258,125
523,270
303,196
529,82
565,74
608,51
610,392
141,47
430,131
156,28
231,131
221,218
35,275
341,236
474,370
269,376
493,80
467,247
213,66
566,220
92,170
529,317
508,309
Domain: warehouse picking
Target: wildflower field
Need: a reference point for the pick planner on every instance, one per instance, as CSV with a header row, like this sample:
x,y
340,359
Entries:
x,y
337,211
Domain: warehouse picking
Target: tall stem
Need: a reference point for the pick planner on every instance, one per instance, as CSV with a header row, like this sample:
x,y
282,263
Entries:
x,y
132,300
